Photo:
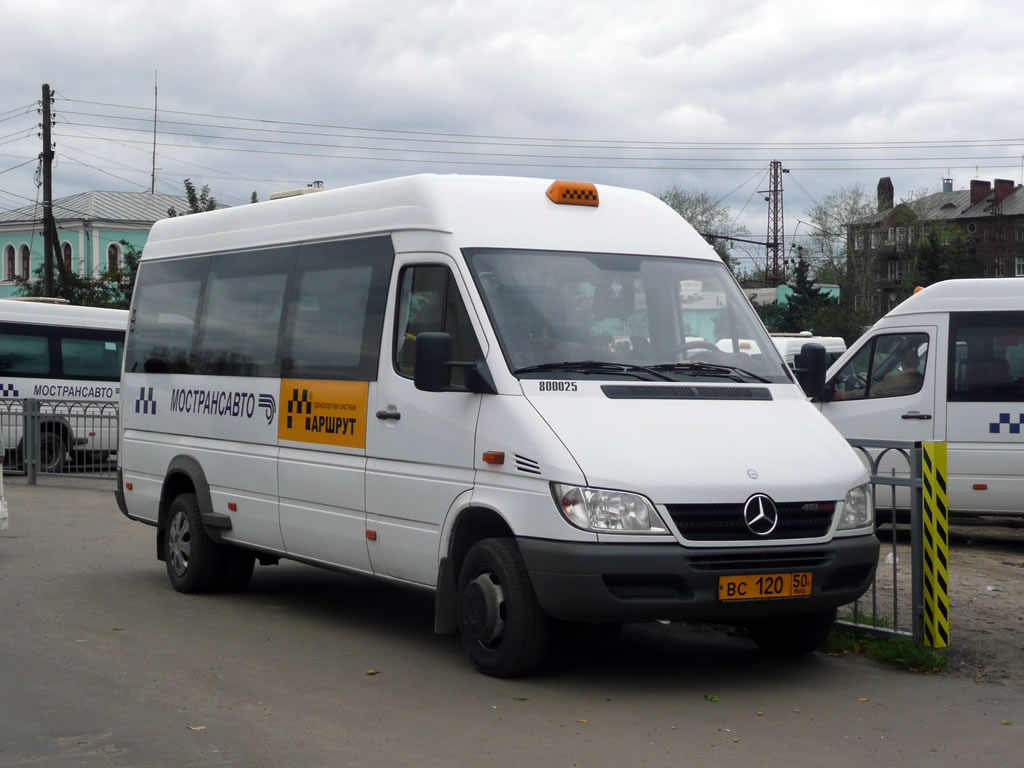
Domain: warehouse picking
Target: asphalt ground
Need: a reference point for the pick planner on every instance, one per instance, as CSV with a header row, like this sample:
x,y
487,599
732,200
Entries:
x,y
103,664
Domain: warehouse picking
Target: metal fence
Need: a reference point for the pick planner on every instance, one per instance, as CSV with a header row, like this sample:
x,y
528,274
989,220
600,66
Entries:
x,y
894,604
59,437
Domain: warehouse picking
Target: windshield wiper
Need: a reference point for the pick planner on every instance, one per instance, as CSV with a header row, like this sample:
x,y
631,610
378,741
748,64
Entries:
x,y
597,366
711,369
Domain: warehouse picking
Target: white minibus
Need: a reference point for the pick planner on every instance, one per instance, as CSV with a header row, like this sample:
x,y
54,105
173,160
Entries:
x,y
947,365
70,358
790,345
505,390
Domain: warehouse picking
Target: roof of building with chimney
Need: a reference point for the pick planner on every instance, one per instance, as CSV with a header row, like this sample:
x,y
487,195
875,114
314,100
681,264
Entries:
x,y
956,204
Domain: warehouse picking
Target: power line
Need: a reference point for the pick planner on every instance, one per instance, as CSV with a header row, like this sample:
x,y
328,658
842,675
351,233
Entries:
x,y
775,145
590,166
30,160
11,117
228,176
374,148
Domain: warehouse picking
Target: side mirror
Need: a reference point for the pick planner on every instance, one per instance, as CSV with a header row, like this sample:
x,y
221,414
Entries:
x,y
433,354
810,370
434,367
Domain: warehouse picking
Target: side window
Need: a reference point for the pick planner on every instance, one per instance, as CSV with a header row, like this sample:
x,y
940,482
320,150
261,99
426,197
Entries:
x,y
241,318
91,358
164,314
891,365
429,300
988,353
336,310
25,355
851,382
898,365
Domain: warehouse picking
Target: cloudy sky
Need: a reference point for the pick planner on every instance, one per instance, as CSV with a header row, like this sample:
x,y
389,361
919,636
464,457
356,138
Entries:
x,y
267,96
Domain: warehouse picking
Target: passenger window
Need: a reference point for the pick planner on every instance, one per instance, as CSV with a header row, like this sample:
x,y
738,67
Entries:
x,y
163,318
336,310
429,300
91,358
891,365
25,355
241,318
988,353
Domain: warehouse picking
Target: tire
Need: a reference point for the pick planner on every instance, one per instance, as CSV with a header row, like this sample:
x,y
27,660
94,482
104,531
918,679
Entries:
x,y
194,562
52,452
792,635
236,568
501,623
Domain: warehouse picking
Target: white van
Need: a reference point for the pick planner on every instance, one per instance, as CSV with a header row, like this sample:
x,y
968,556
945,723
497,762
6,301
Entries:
x,y
947,364
790,344
483,387
66,355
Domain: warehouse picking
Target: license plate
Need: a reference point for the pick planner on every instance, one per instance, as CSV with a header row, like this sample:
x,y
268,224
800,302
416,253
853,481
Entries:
x,y
758,586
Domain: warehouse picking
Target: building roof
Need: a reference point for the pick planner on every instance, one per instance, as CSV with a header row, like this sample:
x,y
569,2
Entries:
x,y
953,205
124,207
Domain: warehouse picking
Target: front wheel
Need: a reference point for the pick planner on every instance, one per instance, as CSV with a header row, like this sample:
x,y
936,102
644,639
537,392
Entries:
x,y
792,635
52,452
194,561
501,623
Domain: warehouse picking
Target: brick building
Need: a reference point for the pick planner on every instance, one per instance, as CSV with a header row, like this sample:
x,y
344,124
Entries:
x,y
985,221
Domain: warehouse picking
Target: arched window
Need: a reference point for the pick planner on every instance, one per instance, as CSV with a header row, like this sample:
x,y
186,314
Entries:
x,y
113,257
9,262
26,262
67,253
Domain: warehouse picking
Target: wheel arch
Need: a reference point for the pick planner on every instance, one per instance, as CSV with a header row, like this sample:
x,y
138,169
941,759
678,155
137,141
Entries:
x,y
466,526
184,475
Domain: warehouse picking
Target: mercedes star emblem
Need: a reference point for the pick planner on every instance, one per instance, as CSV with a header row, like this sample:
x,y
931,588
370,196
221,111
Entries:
x,y
760,514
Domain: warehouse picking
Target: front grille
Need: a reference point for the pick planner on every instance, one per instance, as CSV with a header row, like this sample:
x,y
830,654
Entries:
x,y
724,522
760,560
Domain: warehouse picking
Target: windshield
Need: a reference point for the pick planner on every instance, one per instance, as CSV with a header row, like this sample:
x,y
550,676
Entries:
x,y
614,315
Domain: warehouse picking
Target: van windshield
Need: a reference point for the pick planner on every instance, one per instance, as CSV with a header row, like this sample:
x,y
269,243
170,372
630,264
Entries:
x,y
559,313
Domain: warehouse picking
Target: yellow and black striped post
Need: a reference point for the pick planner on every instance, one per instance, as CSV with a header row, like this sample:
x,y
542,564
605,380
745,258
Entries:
x,y
935,516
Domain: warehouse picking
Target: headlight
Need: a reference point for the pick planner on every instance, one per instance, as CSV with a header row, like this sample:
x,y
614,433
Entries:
x,y
594,509
858,511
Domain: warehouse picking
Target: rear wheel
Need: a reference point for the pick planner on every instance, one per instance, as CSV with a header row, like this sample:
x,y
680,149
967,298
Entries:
x,y
501,623
194,562
792,635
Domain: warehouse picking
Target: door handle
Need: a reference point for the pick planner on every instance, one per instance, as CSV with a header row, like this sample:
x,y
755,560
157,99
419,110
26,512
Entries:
x,y
916,415
385,415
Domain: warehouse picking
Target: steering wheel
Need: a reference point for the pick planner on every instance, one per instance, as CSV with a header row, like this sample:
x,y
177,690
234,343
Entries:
x,y
695,344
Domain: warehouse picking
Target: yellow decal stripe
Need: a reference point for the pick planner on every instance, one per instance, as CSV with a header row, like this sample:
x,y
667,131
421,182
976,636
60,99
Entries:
x,y
935,512
323,411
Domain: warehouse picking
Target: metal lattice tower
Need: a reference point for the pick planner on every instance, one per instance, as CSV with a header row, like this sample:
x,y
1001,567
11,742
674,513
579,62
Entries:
x,y
773,270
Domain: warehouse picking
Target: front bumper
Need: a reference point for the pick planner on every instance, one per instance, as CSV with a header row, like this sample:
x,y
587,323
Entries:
x,y
621,583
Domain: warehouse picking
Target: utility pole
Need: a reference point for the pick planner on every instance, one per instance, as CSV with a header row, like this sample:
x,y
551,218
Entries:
x,y
51,240
47,160
776,229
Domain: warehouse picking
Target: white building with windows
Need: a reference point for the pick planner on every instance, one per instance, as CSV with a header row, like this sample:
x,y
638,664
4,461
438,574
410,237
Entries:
x,y
91,226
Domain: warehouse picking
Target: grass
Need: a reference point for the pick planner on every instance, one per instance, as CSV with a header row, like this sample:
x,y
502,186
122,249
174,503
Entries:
x,y
897,650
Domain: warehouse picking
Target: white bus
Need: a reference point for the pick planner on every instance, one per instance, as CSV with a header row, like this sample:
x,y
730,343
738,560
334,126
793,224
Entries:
x,y
947,365
509,391
70,358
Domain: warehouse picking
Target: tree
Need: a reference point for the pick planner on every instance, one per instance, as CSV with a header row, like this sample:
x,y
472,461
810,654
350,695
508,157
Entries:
x,y
112,288
197,203
805,298
828,240
708,216
939,253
